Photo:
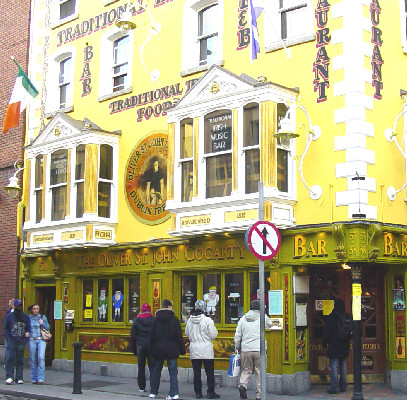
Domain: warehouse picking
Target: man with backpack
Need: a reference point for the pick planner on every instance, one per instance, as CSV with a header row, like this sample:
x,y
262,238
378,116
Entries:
x,y
337,334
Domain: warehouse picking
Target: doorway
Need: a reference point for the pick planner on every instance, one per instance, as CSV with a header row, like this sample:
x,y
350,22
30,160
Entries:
x,y
45,297
326,283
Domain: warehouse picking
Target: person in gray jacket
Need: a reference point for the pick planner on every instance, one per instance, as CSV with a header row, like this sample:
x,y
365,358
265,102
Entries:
x,y
200,331
247,341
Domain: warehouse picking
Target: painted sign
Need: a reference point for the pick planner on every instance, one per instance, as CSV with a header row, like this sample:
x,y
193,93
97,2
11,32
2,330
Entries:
x,y
86,77
322,60
243,31
146,179
377,60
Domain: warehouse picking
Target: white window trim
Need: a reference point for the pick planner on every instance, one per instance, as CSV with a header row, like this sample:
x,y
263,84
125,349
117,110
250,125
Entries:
x,y
106,72
55,21
272,27
403,16
190,42
52,103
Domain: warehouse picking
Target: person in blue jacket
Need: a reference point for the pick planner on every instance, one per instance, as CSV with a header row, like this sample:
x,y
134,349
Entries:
x,y
17,328
37,344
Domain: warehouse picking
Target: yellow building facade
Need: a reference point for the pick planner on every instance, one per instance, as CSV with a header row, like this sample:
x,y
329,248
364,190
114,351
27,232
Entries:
x,y
154,124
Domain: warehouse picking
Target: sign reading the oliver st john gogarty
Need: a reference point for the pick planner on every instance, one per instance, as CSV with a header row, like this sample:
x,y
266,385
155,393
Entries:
x,y
146,179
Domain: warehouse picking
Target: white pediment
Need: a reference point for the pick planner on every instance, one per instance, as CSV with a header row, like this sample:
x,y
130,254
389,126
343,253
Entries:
x,y
214,84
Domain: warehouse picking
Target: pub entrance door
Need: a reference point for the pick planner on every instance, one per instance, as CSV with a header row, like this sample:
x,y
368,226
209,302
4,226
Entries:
x,y
326,283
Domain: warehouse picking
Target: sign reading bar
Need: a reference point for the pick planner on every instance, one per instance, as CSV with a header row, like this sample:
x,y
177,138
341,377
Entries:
x,y
103,234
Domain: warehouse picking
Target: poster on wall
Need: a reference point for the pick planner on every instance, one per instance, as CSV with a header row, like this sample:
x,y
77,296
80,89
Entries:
x,y
400,347
146,179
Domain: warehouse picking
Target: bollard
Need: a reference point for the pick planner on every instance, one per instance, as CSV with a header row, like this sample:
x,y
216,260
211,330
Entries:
x,y
77,364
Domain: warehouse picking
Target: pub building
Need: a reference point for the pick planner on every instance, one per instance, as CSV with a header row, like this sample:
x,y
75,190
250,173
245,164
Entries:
x,y
137,190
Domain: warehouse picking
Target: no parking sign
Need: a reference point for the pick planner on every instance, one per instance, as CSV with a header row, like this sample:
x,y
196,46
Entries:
x,y
263,240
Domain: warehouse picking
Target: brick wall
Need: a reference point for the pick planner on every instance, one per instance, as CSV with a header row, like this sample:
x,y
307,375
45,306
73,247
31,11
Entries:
x,y
14,39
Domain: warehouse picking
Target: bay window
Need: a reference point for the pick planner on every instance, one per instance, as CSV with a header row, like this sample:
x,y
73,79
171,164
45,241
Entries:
x,y
58,184
38,187
80,179
186,158
105,180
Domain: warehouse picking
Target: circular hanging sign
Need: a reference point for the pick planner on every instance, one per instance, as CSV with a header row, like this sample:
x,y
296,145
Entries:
x,y
263,240
146,179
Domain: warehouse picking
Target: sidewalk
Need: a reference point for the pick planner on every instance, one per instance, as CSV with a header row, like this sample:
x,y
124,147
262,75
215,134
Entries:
x,y
59,387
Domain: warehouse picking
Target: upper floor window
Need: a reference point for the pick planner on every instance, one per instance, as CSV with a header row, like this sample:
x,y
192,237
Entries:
x,y
66,8
65,85
251,147
58,184
105,180
80,179
186,159
218,153
289,20
120,63
38,187
202,35
207,34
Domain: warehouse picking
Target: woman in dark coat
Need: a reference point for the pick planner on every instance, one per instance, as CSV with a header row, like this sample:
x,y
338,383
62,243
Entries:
x,y
140,343
338,349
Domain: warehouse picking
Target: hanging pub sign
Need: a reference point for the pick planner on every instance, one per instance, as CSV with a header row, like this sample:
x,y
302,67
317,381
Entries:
x,y
146,179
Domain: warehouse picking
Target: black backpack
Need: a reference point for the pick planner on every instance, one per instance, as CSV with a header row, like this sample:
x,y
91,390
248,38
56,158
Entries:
x,y
345,327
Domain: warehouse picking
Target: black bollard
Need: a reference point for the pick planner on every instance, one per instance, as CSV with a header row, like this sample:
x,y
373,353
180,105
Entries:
x,y
77,373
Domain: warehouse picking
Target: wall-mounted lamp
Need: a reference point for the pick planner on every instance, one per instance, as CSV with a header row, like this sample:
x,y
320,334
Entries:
x,y
346,266
13,188
125,22
391,136
286,133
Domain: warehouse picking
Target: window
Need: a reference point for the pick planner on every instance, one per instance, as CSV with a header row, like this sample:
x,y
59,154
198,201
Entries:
x,y
113,301
120,64
38,187
80,179
66,8
105,180
58,184
202,42
186,159
218,152
65,86
251,147
207,34
289,20
224,293
116,71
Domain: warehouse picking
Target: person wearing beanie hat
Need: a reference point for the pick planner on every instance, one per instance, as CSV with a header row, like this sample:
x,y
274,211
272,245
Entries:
x,y
140,343
200,331
247,340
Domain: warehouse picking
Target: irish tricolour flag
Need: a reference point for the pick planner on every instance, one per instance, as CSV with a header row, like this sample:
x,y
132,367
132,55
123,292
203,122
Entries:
x,y
23,92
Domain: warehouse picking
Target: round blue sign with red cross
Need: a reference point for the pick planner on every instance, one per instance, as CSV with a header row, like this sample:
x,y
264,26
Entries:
x,y
263,240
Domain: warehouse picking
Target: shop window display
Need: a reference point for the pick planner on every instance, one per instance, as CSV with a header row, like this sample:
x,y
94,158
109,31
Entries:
x,y
211,290
234,298
103,302
254,287
117,300
87,303
134,298
188,295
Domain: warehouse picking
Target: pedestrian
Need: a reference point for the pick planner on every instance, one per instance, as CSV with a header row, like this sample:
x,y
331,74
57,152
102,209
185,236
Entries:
x,y
247,341
166,343
17,332
140,344
37,344
200,331
9,310
338,348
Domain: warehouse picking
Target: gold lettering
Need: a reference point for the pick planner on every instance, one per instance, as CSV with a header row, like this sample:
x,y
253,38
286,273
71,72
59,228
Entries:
x,y
186,253
388,248
311,250
403,249
299,246
396,248
321,248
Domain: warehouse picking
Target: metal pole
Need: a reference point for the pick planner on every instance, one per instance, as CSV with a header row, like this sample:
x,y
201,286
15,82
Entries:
x,y
357,343
262,311
77,377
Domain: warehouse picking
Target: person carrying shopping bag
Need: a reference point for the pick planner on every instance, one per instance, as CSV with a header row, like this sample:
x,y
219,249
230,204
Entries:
x,y
37,344
200,331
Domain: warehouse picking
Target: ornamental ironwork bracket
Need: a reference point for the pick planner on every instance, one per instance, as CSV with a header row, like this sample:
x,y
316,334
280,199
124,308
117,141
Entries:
x,y
338,231
375,232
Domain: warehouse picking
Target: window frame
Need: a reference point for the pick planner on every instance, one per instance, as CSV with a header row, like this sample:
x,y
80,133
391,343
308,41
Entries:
x,y
273,31
56,13
52,188
65,84
191,40
183,161
106,84
38,189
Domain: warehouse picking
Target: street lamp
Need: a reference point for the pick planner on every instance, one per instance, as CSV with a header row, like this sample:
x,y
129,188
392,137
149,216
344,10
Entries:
x,y
125,22
287,133
13,188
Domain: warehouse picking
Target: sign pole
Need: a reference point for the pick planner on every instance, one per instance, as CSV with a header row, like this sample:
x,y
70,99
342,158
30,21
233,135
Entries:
x,y
262,306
